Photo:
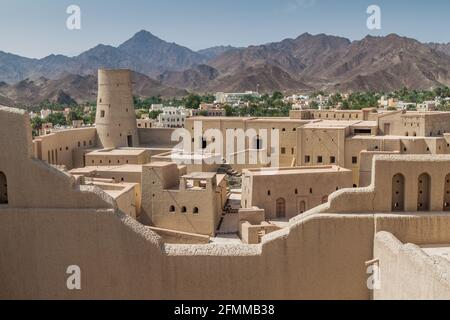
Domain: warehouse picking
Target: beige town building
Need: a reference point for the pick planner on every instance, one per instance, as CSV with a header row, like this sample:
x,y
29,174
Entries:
x,y
178,201
287,192
339,138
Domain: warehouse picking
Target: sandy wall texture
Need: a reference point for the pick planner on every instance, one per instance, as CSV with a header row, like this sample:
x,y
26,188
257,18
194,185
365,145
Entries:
x,y
407,272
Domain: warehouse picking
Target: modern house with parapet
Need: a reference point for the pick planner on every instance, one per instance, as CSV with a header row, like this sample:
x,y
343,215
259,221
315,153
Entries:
x,y
357,209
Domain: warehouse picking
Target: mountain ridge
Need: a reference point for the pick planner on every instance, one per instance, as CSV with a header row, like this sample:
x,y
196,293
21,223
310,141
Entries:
x,y
307,62
75,88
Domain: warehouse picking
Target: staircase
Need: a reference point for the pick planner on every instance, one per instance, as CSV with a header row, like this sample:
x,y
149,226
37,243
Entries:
x,y
228,170
261,234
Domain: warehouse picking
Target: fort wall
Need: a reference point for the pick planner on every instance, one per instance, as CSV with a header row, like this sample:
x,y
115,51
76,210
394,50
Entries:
x,y
50,222
64,147
404,268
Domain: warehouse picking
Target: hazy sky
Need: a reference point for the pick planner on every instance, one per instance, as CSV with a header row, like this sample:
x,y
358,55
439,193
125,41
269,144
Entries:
x,y
36,28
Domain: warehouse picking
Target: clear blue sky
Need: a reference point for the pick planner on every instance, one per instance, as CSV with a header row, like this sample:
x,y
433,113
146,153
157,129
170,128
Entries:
x,y
36,28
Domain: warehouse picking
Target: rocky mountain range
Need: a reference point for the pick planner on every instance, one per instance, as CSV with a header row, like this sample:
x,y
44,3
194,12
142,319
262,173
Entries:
x,y
72,88
442,47
306,63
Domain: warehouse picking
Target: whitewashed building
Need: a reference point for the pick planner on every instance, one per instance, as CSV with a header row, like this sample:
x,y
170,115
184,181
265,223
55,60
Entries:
x,y
172,117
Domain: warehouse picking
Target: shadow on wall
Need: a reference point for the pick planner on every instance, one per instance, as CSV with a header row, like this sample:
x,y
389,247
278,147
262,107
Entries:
x,y
3,189
155,137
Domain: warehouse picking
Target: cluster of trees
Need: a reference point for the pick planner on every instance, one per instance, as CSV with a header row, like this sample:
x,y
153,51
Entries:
x,y
142,103
266,106
419,96
355,101
360,100
152,114
191,101
57,118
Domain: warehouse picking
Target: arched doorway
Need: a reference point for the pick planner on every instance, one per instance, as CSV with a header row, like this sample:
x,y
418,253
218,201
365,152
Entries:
x,y
281,208
398,193
423,192
447,193
3,189
302,207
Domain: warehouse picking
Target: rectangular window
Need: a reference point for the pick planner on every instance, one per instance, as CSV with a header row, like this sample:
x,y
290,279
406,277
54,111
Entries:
x,y
355,160
363,131
332,160
283,150
307,159
102,113
319,159
259,144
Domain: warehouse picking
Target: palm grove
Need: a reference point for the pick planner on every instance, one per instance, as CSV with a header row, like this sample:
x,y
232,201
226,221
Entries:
x,y
268,105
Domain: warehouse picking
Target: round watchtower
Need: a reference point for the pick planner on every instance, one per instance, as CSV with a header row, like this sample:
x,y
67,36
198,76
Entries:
x,y
116,119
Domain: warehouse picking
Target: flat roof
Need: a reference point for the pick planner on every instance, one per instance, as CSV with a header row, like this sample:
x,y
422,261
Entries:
x,y
200,175
366,124
221,118
286,120
160,164
251,119
55,131
335,111
117,152
114,193
122,168
424,113
296,170
331,124
393,137
115,190
157,147
186,156
414,158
